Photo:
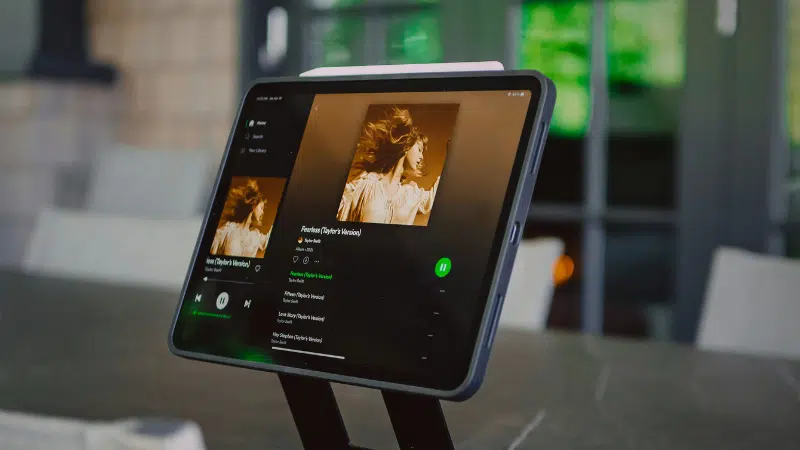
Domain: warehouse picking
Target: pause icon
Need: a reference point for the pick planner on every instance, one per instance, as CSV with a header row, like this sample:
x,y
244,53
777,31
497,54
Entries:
x,y
443,267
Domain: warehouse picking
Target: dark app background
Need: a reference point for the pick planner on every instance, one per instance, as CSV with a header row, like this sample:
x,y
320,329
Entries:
x,y
386,312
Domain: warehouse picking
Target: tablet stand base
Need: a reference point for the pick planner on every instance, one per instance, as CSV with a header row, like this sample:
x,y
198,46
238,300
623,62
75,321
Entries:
x,y
418,421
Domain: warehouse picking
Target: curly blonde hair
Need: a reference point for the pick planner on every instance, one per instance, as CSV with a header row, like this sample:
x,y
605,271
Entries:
x,y
241,201
384,141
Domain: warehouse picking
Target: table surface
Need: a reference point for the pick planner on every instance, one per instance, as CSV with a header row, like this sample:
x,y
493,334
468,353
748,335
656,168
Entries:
x,y
99,351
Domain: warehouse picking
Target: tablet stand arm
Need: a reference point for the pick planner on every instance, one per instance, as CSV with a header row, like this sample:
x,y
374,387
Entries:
x,y
418,421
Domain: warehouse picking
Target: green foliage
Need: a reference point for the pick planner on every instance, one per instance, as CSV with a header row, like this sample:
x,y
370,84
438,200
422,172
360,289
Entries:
x,y
646,47
646,41
555,40
414,39
341,40
793,83
411,38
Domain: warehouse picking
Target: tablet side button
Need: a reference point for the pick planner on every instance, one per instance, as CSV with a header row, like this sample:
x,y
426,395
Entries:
x,y
514,234
541,137
495,321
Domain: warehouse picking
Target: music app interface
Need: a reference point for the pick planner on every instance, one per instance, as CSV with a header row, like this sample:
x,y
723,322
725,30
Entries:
x,y
350,232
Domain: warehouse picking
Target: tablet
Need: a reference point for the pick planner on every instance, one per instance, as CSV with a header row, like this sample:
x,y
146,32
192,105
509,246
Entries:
x,y
362,229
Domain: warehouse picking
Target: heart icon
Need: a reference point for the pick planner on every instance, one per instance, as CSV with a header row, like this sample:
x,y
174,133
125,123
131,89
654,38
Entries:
x,y
258,268
294,258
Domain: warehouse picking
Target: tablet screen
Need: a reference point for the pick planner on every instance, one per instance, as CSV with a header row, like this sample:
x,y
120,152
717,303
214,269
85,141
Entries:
x,y
355,233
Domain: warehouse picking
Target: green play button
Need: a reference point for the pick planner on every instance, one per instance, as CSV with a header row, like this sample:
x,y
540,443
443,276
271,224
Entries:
x,y
443,267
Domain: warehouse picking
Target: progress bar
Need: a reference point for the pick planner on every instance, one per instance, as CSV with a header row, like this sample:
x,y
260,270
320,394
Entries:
x,y
307,353
218,280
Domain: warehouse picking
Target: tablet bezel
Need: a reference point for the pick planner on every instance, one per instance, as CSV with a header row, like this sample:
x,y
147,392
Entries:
x,y
514,210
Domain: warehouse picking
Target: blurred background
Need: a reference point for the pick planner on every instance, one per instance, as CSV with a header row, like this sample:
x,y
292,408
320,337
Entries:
x,y
676,130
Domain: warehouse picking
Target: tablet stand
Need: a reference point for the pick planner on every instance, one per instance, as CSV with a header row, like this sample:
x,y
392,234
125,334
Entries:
x,y
418,421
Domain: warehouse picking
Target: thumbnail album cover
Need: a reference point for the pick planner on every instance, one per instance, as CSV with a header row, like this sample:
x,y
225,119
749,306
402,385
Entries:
x,y
247,217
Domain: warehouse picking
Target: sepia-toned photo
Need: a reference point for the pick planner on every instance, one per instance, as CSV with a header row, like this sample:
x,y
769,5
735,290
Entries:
x,y
247,217
398,163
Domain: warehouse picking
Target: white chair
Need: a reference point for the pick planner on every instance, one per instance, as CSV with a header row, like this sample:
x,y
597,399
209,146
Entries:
x,y
150,183
31,432
752,305
114,248
530,290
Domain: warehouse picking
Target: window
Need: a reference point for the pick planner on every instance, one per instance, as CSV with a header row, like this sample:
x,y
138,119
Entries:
x,y
793,127
356,32
414,39
646,42
793,244
793,88
639,279
555,39
646,53
793,190
337,41
646,69
560,178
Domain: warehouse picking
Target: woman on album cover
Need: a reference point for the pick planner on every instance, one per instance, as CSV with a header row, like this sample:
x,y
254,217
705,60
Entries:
x,y
240,234
378,190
